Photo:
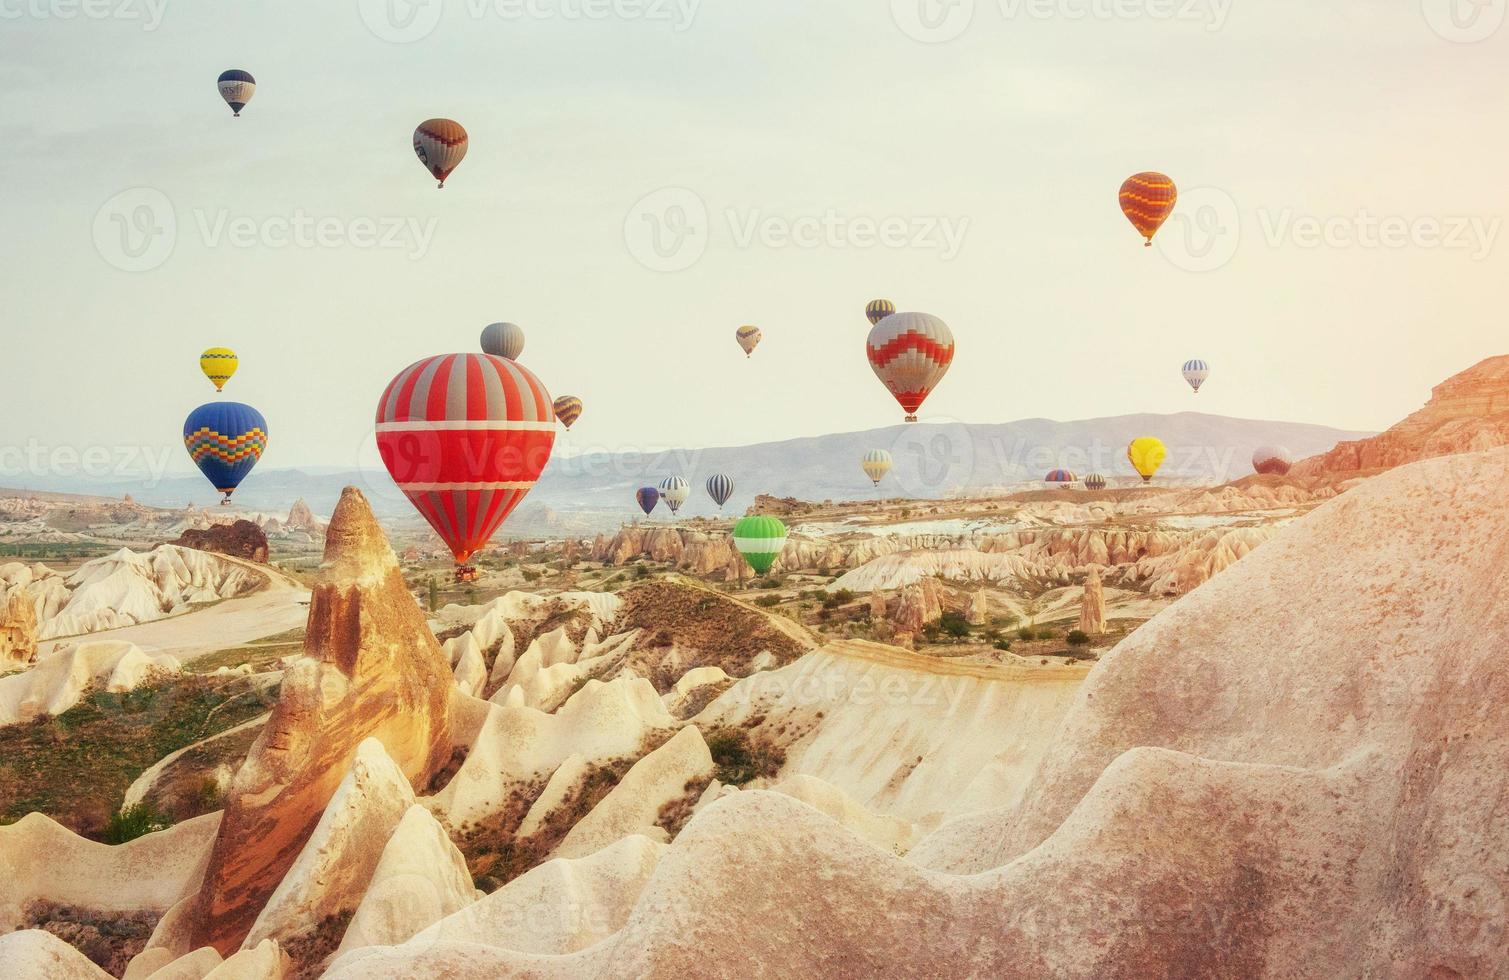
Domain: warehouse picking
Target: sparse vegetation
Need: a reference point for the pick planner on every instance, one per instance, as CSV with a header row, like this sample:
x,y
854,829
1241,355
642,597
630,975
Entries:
x,y
954,625
741,758
135,821
1077,638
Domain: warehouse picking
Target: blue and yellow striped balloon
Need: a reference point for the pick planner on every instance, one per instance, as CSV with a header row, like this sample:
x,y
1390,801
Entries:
x,y
225,440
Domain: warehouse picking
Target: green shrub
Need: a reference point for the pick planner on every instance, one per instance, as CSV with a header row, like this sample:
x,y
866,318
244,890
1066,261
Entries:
x,y
740,759
1026,634
1078,638
839,598
1003,645
135,821
768,600
954,624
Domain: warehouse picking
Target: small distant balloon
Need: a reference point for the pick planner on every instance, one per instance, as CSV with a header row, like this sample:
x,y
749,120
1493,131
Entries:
x,y
647,497
720,486
1146,455
910,353
674,490
1196,372
876,463
503,340
749,338
1272,461
236,88
225,440
218,364
1061,478
879,309
1094,481
760,540
440,145
568,408
1147,199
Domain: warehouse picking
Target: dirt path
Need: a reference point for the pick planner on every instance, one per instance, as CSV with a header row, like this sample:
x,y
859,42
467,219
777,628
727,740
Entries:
x,y
282,604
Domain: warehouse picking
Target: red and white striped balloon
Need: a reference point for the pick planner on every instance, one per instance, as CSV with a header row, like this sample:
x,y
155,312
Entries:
x,y
910,353
465,436
440,145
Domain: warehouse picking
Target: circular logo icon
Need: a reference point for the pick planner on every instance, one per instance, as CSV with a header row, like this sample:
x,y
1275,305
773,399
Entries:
x,y
1204,231
135,230
1465,21
400,21
931,459
933,21
666,230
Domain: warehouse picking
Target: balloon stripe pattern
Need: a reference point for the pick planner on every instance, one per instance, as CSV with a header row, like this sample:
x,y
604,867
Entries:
x,y
218,364
1196,372
465,437
878,310
1061,476
760,540
1094,481
503,340
674,490
237,88
720,487
225,440
910,353
647,497
568,408
748,338
1147,199
441,145
876,464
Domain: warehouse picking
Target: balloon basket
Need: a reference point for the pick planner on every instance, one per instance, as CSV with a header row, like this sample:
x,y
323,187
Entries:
x,y
911,418
465,574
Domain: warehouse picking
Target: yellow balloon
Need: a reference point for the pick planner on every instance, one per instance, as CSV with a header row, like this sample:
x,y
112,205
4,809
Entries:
x,y
218,364
1146,455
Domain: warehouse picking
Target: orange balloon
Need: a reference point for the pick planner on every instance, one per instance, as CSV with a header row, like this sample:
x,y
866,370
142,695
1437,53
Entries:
x,y
1147,199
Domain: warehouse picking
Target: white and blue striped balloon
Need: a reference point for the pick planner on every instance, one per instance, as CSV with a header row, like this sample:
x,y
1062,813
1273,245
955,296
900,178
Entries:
x,y
720,487
1195,372
674,491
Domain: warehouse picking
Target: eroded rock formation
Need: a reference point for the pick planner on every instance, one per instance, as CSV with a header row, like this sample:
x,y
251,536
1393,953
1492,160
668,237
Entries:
x,y
242,539
18,632
1092,606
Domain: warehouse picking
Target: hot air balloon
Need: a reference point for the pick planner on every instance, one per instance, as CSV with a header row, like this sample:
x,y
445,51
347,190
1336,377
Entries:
x,y
910,353
1195,372
647,497
1147,199
236,88
1146,455
1272,461
1061,478
876,463
503,340
225,440
749,338
568,408
1094,481
674,491
465,436
878,310
720,487
760,540
440,145
218,364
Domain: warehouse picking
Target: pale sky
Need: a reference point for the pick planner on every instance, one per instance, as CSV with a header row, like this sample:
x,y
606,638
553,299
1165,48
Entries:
x,y
1013,132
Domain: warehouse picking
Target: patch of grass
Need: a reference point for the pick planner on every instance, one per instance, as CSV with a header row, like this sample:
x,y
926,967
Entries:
x,y
134,821
262,656
741,758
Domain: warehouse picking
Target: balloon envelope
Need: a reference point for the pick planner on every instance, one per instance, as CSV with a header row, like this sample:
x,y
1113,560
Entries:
x,y
1147,199
218,364
879,309
910,353
1095,481
1195,372
236,88
876,463
748,338
647,498
1146,455
568,408
1272,461
503,340
1059,477
674,490
720,487
760,540
465,436
225,440
440,145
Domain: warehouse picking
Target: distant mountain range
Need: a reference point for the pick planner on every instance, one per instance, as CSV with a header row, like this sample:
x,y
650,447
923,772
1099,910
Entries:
x,y
932,460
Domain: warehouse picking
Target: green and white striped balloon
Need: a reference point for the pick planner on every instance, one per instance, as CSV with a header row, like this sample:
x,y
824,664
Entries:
x,y
759,540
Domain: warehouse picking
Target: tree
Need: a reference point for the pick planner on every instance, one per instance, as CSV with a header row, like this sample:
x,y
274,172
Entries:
x,y
1078,638
955,625
434,594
